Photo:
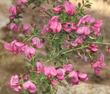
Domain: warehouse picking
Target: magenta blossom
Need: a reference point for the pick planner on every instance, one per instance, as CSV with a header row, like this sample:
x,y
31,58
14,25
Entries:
x,y
54,24
60,74
98,65
82,76
50,71
78,41
57,9
68,67
13,27
26,28
69,27
14,46
29,86
39,67
13,10
20,2
69,8
84,30
37,42
73,76
96,27
45,29
14,83
29,52
93,48
87,19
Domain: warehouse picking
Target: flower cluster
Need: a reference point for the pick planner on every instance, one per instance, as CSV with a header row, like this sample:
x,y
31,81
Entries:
x,y
22,48
99,64
17,86
69,30
52,74
63,73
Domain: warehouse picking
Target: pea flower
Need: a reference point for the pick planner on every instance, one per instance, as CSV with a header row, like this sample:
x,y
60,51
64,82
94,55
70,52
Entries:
x,y
93,48
13,10
14,46
69,27
29,86
68,68
82,76
50,71
57,9
78,41
37,42
60,74
26,28
39,67
45,29
84,30
54,24
14,83
87,19
13,27
29,52
69,8
73,76
98,65
96,27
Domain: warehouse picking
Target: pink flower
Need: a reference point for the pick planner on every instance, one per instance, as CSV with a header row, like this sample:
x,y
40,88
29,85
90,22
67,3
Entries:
x,y
14,46
60,74
93,48
69,8
13,27
14,83
73,76
29,52
84,30
54,24
26,28
57,9
13,10
54,82
69,27
45,29
96,27
68,67
86,19
79,40
50,71
37,42
40,67
82,76
98,65
29,86
20,2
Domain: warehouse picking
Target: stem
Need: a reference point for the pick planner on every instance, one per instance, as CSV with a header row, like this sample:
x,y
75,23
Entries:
x,y
101,43
65,52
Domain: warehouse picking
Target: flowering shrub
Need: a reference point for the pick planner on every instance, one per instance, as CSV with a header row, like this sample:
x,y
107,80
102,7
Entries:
x,y
69,31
